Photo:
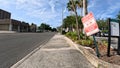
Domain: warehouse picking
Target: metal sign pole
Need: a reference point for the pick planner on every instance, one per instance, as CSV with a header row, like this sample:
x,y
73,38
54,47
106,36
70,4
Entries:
x,y
118,51
109,39
95,43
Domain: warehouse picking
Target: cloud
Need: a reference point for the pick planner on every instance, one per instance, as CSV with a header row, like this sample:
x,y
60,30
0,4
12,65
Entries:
x,y
42,14
111,10
52,5
6,4
65,9
42,9
91,4
48,11
104,9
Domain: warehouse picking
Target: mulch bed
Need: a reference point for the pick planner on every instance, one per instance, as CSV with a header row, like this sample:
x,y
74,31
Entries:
x,y
114,58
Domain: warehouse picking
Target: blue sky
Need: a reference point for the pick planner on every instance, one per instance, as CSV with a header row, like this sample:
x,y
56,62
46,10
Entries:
x,y
50,11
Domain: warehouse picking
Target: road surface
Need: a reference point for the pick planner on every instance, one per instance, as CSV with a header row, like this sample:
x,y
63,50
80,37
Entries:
x,y
14,47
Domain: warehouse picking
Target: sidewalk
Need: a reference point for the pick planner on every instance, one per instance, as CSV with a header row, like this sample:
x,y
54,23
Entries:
x,y
57,53
7,32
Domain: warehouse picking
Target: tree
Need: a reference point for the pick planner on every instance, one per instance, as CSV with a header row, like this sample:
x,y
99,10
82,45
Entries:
x,y
103,25
118,16
80,5
85,4
54,29
44,26
70,22
71,5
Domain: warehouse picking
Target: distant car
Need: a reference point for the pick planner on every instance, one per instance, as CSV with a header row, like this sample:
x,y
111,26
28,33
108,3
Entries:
x,y
99,34
39,31
105,34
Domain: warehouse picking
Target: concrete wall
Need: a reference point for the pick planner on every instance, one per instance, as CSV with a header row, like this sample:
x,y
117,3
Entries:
x,y
4,24
4,27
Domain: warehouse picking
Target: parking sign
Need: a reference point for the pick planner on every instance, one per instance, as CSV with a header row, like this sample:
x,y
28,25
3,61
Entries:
x,y
90,25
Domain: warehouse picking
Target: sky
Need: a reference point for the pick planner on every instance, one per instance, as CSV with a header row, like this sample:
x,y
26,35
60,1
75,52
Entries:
x,y
50,11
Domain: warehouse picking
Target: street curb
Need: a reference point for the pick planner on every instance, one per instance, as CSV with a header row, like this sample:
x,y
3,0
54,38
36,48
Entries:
x,y
90,57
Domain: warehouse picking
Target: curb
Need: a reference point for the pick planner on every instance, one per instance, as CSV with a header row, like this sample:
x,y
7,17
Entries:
x,y
98,63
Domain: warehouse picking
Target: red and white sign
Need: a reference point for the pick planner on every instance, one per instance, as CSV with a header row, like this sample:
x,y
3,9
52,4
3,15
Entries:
x,y
90,25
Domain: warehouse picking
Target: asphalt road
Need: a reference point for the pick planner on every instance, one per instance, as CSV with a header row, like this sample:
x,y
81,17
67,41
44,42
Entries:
x,y
14,47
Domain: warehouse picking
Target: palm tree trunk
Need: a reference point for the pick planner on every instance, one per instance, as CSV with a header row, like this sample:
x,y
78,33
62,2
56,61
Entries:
x,y
85,12
85,7
76,16
78,32
81,11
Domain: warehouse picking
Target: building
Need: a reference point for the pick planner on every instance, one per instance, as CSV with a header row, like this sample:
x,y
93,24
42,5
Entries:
x,y
5,20
24,27
4,14
8,24
13,25
5,24
33,27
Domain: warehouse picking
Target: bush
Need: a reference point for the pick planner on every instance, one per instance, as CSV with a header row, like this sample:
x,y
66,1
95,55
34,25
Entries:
x,y
88,42
63,32
72,35
104,42
82,36
104,31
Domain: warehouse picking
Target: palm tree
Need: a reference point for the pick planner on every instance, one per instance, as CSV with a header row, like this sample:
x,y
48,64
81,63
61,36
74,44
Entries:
x,y
80,5
85,4
71,5
118,16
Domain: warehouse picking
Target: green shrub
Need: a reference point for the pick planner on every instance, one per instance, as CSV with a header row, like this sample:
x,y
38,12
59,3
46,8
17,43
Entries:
x,y
104,31
72,35
82,36
104,42
88,42
63,32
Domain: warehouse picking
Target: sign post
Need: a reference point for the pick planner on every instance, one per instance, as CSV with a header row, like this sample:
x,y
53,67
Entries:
x,y
109,39
90,28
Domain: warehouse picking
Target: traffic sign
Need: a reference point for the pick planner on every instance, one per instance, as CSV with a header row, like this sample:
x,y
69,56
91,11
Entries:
x,y
90,28
90,25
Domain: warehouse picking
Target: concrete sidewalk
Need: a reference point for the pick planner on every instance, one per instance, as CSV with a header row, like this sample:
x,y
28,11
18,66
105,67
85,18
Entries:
x,y
57,53
7,32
